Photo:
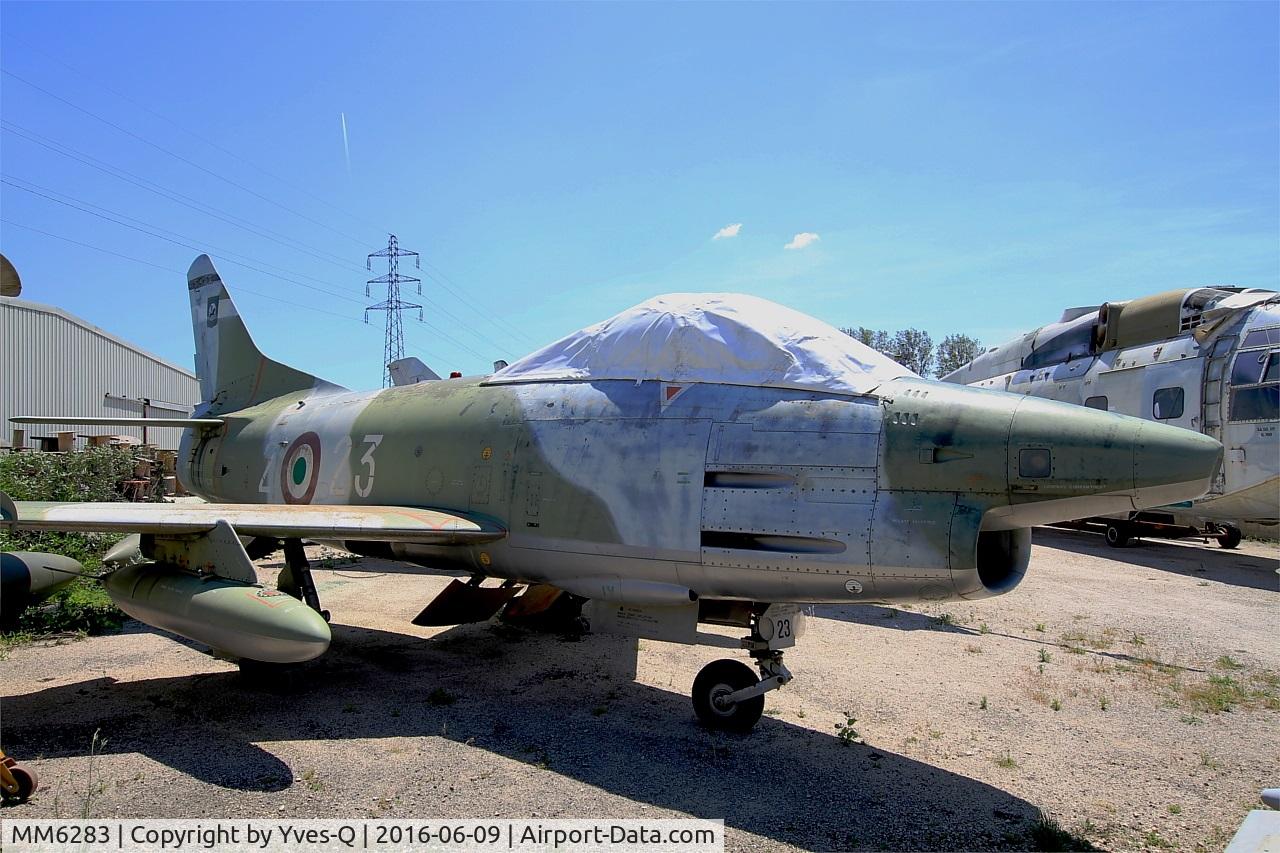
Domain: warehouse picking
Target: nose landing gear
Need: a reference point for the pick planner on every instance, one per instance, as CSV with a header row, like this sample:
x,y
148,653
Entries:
x,y
727,695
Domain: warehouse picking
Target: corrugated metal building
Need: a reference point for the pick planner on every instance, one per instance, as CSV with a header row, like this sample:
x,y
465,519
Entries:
x,y
52,363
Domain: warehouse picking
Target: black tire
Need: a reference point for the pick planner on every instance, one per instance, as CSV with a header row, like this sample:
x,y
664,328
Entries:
x,y
718,678
1229,536
27,784
1117,535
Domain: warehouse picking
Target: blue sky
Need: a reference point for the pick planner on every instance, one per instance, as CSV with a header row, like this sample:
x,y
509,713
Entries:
x,y
965,167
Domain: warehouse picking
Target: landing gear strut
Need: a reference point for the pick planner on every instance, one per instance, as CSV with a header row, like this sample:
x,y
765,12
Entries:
x,y
295,578
727,695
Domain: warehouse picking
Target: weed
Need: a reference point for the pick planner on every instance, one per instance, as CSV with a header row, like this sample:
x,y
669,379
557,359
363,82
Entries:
x,y
1137,640
1207,760
946,619
1202,583
973,650
95,748
890,613
1220,693
845,731
1228,662
1104,702
982,706
1040,627
1190,720
984,628
1045,657
440,697
1056,704
1153,839
1047,834
312,781
1075,650
1174,808
1006,761
1041,668
935,734
800,713
771,712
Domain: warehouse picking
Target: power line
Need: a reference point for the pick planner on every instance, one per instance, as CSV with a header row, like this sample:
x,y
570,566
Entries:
x,y
200,246
179,157
170,194
200,207
238,288
443,279
75,203
197,135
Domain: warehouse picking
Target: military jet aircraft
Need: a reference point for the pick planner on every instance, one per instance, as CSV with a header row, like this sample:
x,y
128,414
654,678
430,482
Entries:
x,y
697,459
1204,358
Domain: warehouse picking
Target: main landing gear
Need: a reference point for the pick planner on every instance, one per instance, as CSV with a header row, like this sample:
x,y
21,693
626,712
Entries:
x,y
727,695
295,578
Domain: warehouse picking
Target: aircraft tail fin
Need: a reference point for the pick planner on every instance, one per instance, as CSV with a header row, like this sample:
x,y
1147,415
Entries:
x,y
233,372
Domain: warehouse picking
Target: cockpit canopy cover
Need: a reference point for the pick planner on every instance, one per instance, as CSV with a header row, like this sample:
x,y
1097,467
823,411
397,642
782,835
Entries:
x,y
723,338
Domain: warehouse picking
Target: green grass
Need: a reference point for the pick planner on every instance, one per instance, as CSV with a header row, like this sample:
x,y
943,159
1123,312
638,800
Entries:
x,y
1006,761
1221,693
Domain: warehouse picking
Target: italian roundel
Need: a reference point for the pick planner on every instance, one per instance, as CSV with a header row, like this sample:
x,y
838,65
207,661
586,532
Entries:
x,y
301,469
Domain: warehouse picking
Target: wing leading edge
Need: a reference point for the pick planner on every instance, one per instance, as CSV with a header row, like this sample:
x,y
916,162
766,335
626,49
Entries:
x,y
367,523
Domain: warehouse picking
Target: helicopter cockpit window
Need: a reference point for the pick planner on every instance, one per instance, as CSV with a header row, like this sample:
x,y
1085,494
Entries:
x,y
1255,386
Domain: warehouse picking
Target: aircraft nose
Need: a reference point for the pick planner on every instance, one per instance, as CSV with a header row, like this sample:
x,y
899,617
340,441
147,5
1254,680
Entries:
x,y
1097,463
1172,464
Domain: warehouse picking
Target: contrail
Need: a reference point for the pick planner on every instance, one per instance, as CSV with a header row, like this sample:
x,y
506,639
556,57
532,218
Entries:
x,y
346,148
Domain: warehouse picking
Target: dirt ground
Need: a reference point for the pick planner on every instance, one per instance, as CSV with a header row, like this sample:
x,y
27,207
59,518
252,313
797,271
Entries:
x,y
1130,694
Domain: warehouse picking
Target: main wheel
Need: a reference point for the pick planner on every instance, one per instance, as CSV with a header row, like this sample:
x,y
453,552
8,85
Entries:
x,y
27,781
1117,536
1229,536
717,680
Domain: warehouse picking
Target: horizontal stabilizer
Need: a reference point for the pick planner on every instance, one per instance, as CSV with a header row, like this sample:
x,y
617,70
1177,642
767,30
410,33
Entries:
x,y
188,423
280,521
461,603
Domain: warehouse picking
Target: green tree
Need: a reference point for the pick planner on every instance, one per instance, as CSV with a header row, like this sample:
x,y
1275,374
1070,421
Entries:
x,y
874,338
912,348
956,351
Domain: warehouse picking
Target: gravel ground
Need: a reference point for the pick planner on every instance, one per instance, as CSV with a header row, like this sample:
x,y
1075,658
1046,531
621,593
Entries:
x,y
1085,693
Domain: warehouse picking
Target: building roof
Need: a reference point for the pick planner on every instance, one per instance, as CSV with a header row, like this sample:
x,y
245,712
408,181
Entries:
x,y
40,307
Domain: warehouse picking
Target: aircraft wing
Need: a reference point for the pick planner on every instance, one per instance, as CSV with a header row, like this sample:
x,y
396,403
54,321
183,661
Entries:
x,y
282,521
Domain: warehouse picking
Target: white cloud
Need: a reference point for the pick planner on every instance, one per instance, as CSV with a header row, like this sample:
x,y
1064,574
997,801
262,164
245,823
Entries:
x,y
804,238
728,231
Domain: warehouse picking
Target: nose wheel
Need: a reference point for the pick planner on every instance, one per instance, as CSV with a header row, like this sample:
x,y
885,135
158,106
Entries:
x,y
712,688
